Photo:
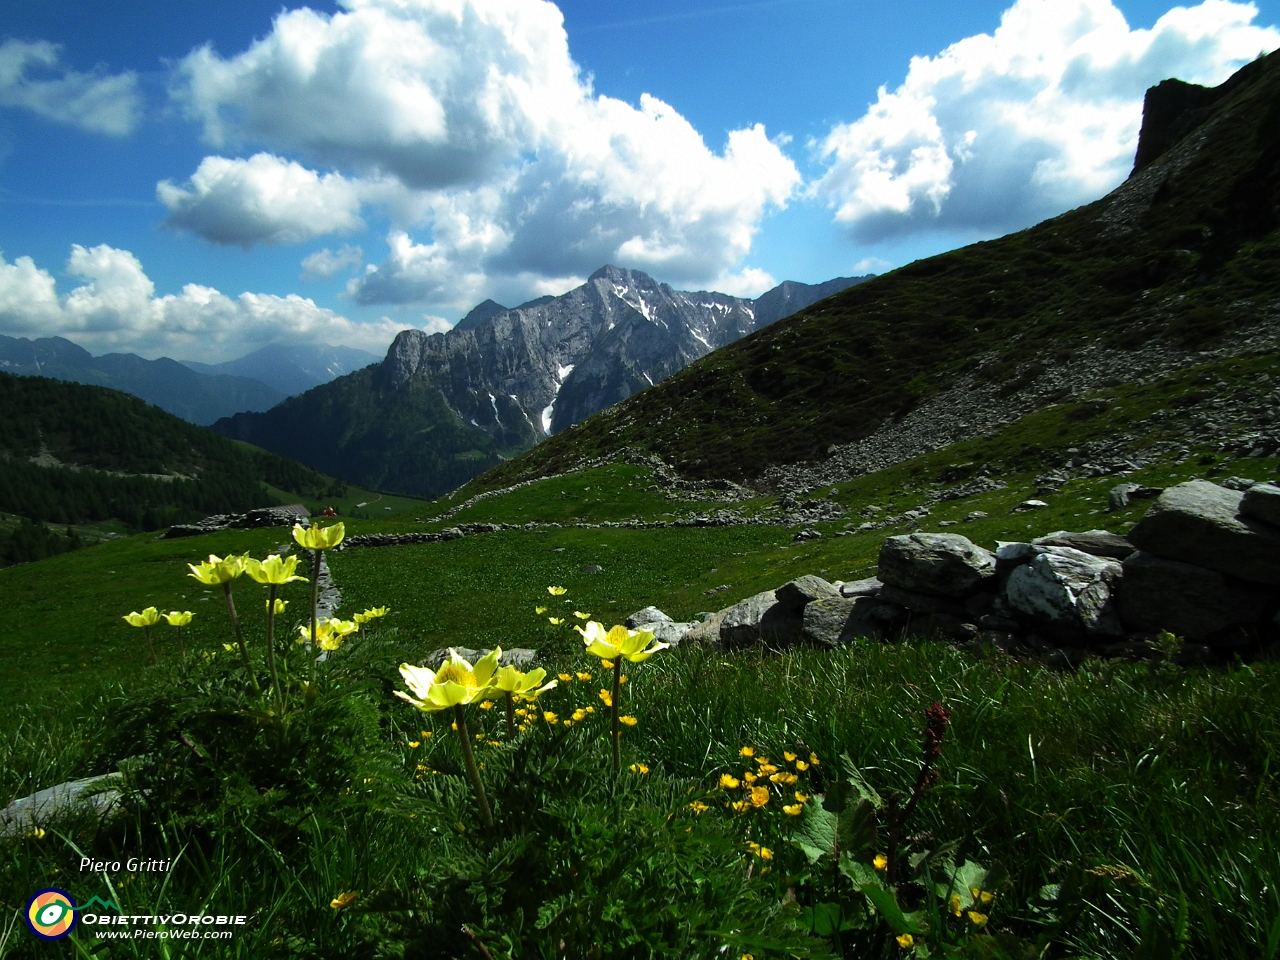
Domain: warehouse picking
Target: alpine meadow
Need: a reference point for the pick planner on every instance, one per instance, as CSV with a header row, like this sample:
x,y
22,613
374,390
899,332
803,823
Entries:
x,y
927,611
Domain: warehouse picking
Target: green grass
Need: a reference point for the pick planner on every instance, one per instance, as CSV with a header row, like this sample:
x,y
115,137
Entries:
x,y
1160,783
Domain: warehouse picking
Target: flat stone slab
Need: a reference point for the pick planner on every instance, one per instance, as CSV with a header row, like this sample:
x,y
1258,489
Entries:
x,y
97,795
1099,543
1262,502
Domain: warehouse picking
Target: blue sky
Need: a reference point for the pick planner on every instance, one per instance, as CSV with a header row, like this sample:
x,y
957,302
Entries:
x,y
197,180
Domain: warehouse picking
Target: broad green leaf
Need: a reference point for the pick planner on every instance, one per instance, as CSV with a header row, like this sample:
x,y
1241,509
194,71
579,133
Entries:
x,y
815,834
887,904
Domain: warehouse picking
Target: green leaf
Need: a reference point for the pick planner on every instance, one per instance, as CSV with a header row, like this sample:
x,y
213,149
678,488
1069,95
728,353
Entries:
x,y
856,827
816,832
886,903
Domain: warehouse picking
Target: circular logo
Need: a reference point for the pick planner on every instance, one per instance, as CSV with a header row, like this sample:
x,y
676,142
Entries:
x,y
51,914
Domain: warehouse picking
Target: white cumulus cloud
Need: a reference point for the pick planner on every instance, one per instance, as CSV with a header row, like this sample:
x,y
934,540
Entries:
x,y
470,122
115,307
30,79
1001,130
327,263
261,200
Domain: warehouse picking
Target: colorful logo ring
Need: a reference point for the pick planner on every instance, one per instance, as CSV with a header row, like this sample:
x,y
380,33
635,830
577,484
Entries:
x,y
51,913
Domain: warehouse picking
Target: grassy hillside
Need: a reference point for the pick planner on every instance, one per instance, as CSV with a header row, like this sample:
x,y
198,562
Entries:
x,y
80,455
1134,789
403,438
1186,253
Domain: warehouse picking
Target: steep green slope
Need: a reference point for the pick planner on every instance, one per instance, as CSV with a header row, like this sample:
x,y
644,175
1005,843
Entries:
x,y
71,453
1186,251
402,438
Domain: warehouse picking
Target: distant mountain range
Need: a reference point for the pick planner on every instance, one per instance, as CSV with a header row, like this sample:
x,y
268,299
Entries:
x,y
198,393
441,408
290,368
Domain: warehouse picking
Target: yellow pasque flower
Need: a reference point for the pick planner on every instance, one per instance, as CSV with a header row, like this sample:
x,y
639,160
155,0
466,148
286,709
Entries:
x,y
178,618
373,613
330,632
606,697
539,610
274,569
792,809
217,570
557,591
344,899
147,618
633,645
318,538
746,752
729,782
279,607
699,807
905,940
584,676
881,862
516,682
581,616
640,768
629,721
759,796
555,621
456,682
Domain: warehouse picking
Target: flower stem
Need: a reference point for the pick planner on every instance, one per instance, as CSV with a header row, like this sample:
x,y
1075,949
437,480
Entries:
x,y
271,643
244,651
152,650
473,773
511,717
315,593
614,726
182,650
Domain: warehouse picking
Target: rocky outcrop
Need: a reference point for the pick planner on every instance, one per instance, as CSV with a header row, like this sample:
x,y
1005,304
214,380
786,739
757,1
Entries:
x,y
285,516
1060,598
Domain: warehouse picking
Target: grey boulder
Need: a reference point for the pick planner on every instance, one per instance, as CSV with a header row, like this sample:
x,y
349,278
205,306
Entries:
x,y
517,657
941,564
1191,601
1200,523
760,619
803,590
1262,502
868,587
1067,593
838,620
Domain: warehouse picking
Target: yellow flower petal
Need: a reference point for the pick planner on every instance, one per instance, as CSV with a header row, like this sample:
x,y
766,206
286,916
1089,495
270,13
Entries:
x,y
792,809
746,752
317,538
557,591
344,899
759,796
629,721
639,768
881,862
905,940
729,782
